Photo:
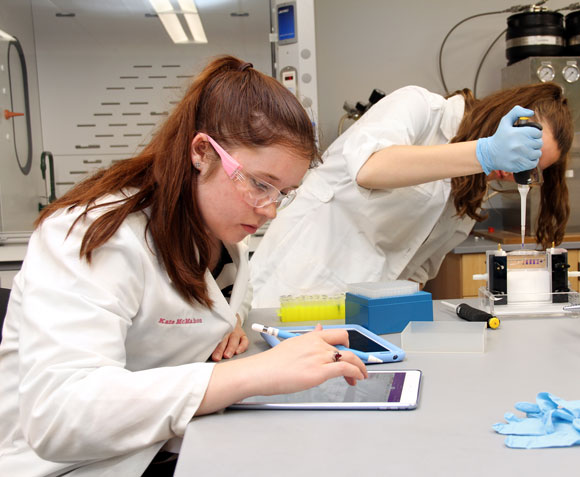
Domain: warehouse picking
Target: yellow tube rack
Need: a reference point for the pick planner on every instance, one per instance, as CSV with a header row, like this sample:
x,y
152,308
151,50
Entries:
x,y
311,307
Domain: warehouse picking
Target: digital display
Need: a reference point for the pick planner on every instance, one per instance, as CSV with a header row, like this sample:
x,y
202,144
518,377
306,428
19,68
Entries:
x,y
286,24
379,387
358,341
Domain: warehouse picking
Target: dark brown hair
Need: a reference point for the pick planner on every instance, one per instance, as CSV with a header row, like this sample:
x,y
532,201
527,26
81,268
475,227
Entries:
x,y
237,106
481,119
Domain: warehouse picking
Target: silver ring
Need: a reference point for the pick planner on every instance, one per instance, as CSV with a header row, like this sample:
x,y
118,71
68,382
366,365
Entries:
x,y
336,356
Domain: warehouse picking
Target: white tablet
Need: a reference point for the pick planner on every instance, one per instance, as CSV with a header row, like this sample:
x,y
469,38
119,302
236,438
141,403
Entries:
x,y
382,390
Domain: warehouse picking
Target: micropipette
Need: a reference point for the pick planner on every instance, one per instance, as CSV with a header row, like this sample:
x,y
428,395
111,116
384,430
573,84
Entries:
x,y
524,179
523,190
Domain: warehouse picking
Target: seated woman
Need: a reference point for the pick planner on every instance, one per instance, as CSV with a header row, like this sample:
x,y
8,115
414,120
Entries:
x,y
138,276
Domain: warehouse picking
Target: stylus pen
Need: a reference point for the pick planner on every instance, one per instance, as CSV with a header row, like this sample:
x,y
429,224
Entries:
x,y
270,330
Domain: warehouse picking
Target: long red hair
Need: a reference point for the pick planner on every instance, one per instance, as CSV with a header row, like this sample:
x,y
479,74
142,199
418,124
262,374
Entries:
x,y
237,106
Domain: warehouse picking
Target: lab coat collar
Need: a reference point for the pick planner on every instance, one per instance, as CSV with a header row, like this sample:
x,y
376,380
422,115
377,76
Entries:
x,y
239,253
452,116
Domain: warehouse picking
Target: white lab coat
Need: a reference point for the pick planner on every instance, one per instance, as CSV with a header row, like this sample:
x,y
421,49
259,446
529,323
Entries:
x,y
336,232
101,364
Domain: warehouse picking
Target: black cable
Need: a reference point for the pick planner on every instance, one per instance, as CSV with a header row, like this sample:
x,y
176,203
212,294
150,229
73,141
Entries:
x,y
572,6
483,59
447,36
513,9
26,167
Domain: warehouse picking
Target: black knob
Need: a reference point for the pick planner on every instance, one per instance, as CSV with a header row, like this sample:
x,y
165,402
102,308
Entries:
x,y
376,96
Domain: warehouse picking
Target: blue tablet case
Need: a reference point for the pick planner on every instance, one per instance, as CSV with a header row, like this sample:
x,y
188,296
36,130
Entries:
x,y
393,354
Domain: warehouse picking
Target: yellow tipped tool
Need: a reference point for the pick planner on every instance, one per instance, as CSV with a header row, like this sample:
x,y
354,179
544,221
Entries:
x,y
468,313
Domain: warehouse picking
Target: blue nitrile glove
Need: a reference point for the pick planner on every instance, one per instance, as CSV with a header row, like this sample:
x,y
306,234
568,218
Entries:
x,y
552,422
511,148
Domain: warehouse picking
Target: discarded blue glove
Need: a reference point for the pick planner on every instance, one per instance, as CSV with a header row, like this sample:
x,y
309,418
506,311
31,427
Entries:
x,y
551,422
510,149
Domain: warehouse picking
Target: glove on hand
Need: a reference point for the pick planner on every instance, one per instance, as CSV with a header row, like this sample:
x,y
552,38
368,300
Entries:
x,y
511,148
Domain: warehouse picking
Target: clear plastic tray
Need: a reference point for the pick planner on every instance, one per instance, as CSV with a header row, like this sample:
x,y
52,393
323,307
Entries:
x,y
444,337
531,305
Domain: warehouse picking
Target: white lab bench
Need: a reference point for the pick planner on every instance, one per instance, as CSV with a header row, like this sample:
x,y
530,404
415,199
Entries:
x,y
11,257
450,434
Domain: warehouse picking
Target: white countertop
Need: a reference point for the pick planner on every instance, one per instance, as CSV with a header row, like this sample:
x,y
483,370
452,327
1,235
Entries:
x,y
450,433
13,252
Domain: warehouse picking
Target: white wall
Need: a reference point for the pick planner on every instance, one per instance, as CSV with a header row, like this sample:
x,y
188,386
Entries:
x,y
366,44
360,45
108,76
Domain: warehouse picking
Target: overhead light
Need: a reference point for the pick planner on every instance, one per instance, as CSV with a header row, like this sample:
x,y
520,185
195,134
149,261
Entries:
x,y
172,20
6,36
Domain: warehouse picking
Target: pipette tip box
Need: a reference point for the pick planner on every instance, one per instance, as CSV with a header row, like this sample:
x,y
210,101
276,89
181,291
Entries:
x,y
390,313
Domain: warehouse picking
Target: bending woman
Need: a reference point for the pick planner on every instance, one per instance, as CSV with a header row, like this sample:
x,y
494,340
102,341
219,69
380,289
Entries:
x,y
404,185
137,276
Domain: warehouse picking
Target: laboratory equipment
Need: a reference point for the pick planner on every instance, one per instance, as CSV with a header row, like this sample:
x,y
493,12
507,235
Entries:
x,y
537,32
293,40
19,185
573,33
287,32
468,313
311,307
444,337
21,131
49,182
527,282
524,179
506,207
288,79
355,112
523,189
387,307
360,108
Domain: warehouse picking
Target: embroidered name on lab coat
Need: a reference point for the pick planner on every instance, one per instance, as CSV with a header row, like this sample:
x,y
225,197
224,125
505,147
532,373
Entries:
x,y
180,321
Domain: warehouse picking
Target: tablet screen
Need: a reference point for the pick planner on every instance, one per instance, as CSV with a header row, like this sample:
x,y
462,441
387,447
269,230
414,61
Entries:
x,y
379,387
358,341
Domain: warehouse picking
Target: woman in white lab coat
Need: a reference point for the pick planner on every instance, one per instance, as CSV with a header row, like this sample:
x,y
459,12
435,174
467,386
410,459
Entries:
x,y
124,293
404,185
